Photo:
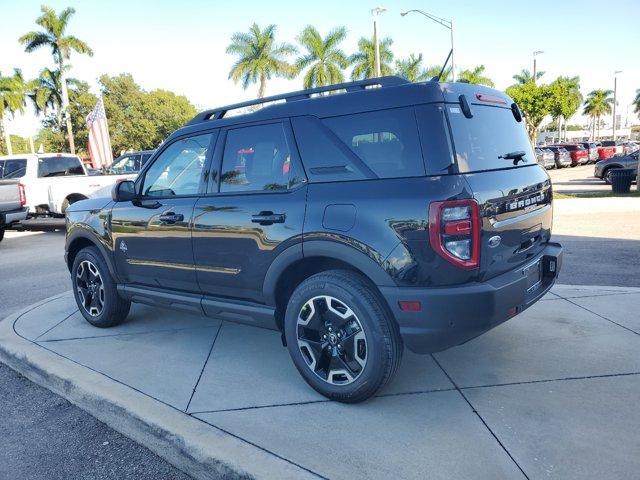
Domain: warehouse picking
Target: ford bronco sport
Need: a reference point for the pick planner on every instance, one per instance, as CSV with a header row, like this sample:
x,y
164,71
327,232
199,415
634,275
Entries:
x,y
386,214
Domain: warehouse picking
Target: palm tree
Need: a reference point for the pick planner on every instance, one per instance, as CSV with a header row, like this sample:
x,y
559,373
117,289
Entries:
x,y
364,59
475,76
411,69
525,76
54,36
259,57
636,102
598,103
46,92
13,90
323,57
434,71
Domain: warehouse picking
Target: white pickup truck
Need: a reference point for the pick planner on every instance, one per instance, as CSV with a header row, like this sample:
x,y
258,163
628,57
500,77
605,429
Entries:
x,y
53,181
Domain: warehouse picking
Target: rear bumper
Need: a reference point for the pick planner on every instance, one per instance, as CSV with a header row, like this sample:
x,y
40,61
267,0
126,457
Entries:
x,y
453,315
13,216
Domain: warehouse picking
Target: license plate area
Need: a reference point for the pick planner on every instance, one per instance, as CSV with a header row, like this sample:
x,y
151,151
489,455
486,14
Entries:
x,y
533,274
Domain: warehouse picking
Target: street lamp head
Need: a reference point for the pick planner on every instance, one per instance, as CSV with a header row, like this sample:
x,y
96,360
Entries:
x,y
378,10
617,72
402,14
537,52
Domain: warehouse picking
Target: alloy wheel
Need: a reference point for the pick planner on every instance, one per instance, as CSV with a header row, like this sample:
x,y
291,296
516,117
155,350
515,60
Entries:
x,y
90,288
331,340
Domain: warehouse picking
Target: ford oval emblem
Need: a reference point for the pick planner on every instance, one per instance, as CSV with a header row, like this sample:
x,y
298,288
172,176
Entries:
x,y
494,241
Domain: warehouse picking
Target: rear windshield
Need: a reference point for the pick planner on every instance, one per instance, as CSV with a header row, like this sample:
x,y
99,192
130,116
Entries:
x,y
59,166
491,133
14,168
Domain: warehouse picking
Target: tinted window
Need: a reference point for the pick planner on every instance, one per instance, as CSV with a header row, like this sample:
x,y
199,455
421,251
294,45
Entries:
x,y
125,164
14,168
59,166
492,132
145,158
257,158
178,169
386,141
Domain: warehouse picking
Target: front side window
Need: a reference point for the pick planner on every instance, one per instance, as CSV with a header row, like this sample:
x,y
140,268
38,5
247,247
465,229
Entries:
x,y
257,158
59,166
14,168
386,141
178,169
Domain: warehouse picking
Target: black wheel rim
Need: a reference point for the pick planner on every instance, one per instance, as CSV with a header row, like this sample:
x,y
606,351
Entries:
x,y
90,288
331,340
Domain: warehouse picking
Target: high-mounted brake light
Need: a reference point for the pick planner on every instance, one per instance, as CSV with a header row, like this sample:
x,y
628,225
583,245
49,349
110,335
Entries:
x,y
490,99
454,232
22,194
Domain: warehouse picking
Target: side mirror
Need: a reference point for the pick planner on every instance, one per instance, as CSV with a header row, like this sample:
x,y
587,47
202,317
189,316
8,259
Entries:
x,y
124,191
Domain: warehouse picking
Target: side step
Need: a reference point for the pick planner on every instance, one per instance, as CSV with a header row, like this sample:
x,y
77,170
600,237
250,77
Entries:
x,y
237,311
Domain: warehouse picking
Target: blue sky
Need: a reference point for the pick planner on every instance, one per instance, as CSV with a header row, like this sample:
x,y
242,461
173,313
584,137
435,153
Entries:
x,y
180,46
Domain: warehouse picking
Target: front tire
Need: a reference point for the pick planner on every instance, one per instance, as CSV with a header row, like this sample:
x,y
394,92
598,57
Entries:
x,y
341,336
95,290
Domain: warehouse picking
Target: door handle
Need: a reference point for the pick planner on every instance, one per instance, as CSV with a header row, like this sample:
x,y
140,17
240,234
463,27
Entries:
x,y
171,217
268,218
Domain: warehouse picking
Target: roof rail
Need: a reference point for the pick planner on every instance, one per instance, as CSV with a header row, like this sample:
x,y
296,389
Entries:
x,y
218,113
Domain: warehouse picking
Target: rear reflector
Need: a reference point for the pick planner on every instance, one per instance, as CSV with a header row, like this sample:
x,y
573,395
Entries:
x,y
410,306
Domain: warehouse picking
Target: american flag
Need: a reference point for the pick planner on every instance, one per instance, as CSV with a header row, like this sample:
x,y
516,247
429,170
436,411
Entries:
x,y
99,142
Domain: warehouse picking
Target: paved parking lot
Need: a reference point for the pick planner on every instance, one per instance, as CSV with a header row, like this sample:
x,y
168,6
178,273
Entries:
x,y
550,394
576,179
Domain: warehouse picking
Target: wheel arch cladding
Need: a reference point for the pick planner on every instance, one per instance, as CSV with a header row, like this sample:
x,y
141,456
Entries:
x,y
81,240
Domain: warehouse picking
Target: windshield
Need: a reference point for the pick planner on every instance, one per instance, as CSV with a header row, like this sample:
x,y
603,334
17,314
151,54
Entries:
x,y
490,140
14,168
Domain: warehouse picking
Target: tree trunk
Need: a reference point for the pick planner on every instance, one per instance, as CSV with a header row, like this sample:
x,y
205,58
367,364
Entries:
x,y
7,137
263,86
65,106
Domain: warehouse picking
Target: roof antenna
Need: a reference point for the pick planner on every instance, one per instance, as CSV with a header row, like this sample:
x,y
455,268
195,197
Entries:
x,y
439,76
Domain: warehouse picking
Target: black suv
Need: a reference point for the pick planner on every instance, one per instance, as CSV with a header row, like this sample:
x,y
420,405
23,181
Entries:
x,y
385,214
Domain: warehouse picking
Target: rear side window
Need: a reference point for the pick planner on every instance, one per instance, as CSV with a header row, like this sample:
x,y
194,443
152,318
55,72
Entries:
x,y
385,140
59,166
491,133
258,158
14,168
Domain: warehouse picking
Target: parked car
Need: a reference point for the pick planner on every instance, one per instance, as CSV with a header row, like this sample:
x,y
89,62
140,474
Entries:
x,y
605,152
579,155
53,181
130,162
12,202
605,167
630,147
592,149
562,157
345,221
616,144
545,158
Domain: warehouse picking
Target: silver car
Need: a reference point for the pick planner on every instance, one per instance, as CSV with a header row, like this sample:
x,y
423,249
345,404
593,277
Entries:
x,y
545,158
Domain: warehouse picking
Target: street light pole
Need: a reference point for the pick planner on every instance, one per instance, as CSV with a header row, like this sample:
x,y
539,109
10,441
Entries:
x,y
375,12
445,23
615,100
535,71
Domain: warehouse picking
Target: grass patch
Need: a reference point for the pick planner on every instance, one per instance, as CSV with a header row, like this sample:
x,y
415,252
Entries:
x,y
602,194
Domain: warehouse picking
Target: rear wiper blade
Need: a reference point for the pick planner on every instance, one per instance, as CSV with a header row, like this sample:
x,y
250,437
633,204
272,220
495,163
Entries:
x,y
515,156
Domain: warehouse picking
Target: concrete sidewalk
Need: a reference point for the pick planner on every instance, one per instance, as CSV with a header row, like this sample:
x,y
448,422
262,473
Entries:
x,y
550,394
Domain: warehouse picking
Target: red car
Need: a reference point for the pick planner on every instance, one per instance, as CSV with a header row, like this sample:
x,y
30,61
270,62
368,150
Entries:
x,y
579,154
606,152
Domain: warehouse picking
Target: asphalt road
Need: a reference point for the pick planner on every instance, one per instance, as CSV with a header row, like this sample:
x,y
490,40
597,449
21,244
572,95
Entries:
x,y
42,435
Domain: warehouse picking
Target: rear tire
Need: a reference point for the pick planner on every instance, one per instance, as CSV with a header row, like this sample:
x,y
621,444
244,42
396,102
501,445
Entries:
x,y
95,290
341,336
606,175
1,234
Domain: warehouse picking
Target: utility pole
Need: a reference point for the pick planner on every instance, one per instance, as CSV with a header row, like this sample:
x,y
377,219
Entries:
x,y
375,13
615,100
535,70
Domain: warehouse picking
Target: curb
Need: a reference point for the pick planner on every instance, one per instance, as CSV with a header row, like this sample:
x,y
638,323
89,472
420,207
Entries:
x,y
198,449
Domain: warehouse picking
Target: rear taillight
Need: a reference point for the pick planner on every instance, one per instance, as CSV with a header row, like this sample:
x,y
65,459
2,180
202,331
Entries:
x,y
454,232
22,194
